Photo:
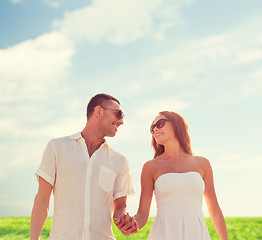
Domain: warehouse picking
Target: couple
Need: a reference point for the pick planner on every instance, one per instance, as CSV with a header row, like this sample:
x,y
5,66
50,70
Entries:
x,y
90,181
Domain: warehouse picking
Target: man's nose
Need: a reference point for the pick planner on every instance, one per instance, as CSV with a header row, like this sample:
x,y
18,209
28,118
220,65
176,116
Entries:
x,y
121,121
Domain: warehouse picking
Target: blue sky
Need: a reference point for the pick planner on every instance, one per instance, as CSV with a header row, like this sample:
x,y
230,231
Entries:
x,y
199,58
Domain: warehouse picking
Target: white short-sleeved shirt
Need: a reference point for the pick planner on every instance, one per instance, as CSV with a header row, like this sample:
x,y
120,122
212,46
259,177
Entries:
x,y
84,187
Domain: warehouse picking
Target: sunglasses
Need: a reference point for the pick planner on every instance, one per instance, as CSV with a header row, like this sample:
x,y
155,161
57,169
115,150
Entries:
x,y
119,113
159,124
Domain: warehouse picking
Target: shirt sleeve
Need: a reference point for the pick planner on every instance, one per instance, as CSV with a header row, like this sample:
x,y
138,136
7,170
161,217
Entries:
x,y
47,168
123,183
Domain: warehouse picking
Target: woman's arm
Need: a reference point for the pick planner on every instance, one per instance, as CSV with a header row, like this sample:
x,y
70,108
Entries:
x,y
128,225
147,187
214,210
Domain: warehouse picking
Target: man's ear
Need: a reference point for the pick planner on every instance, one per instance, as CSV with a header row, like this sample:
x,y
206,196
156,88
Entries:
x,y
98,112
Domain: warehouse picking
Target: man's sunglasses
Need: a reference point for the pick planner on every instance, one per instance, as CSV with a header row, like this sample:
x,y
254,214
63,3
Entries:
x,y
119,113
159,124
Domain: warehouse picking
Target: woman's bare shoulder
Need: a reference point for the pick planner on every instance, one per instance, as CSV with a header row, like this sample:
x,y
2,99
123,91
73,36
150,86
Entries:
x,y
203,164
151,165
200,159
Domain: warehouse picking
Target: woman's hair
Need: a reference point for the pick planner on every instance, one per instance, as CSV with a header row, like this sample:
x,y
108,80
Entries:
x,y
181,133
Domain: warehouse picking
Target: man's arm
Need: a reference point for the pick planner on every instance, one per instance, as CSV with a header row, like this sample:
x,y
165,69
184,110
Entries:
x,y
40,209
119,206
140,219
121,217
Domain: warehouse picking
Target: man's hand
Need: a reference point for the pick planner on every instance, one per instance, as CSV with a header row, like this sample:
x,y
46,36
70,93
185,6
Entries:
x,y
126,224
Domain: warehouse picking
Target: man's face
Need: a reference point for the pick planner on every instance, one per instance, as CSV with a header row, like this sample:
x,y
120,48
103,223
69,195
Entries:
x,y
110,121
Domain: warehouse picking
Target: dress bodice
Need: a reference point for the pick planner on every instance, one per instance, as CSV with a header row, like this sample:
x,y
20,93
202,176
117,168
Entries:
x,y
179,193
179,208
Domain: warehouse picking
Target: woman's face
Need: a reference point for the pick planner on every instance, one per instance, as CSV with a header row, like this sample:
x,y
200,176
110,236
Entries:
x,y
162,130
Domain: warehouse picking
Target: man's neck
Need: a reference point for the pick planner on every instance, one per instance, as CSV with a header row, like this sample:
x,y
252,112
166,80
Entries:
x,y
92,141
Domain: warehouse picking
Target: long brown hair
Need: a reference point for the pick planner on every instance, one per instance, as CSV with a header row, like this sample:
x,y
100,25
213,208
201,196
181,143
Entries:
x,y
181,133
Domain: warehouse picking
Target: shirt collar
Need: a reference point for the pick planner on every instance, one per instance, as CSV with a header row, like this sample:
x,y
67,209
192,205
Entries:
x,y
78,136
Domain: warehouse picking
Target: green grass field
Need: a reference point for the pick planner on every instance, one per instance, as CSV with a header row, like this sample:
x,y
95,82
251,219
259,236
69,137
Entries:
x,y
238,229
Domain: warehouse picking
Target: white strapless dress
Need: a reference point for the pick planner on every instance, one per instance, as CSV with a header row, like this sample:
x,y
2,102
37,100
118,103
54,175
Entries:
x,y
179,208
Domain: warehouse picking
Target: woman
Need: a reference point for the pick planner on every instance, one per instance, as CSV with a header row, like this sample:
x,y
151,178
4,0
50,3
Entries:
x,y
179,181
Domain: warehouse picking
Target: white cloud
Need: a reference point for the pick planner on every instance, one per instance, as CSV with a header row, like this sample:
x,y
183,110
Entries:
x,y
33,121
230,162
52,3
257,74
159,37
238,163
121,21
253,87
149,110
15,1
206,64
32,67
32,75
248,56
241,203
29,140
2,176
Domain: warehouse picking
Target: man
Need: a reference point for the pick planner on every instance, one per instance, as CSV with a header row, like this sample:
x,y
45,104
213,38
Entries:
x,y
90,181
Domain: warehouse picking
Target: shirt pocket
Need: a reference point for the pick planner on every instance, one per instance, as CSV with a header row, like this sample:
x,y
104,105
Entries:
x,y
106,178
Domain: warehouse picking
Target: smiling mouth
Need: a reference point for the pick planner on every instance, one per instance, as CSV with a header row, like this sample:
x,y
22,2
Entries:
x,y
158,134
116,125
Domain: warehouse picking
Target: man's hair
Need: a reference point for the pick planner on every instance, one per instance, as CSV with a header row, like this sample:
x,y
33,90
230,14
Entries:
x,y
100,99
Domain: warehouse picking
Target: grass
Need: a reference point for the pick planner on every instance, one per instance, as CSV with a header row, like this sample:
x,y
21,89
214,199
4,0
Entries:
x,y
16,228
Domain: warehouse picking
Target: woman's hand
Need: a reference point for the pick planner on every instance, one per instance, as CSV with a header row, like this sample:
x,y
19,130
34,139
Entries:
x,y
126,224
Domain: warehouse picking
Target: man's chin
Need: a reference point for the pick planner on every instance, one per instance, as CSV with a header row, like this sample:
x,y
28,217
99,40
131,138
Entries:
x,y
112,134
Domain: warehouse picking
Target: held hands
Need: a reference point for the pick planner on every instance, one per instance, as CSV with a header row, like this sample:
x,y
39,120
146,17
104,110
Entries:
x,y
126,224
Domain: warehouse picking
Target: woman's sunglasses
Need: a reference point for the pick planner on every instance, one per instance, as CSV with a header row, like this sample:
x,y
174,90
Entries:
x,y
119,113
159,124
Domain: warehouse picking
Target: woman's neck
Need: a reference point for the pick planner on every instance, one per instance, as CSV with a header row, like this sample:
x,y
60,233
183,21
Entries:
x,y
173,150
